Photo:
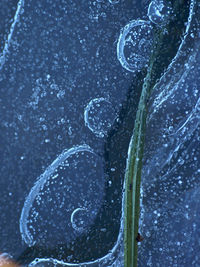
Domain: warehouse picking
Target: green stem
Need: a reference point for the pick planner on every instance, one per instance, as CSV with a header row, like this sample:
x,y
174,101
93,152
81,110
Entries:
x,y
134,165
133,178
158,63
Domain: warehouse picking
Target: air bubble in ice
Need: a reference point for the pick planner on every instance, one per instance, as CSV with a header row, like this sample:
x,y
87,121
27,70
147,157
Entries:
x,y
159,11
99,116
135,45
114,1
50,215
114,258
79,219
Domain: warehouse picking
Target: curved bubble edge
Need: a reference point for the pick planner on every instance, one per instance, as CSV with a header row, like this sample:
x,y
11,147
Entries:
x,y
123,32
86,118
107,259
20,6
26,235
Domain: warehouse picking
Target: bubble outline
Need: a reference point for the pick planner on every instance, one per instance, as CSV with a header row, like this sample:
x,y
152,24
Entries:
x,y
121,41
43,178
108,259
19,11
162,19
79,229
99,133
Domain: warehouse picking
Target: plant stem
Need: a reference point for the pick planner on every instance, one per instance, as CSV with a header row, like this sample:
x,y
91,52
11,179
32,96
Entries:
x,y
158,62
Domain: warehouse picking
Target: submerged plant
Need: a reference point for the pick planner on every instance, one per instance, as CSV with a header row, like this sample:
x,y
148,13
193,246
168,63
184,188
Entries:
x,y
164,49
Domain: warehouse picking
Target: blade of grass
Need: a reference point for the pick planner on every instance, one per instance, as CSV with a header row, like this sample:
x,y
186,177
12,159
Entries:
x,y
135,154
133,178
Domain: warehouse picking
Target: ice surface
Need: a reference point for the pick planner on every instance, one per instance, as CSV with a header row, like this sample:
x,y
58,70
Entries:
x,y
59,60
59,56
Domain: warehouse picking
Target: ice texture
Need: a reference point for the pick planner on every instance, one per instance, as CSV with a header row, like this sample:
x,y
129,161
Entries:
x,y
58,56
61,185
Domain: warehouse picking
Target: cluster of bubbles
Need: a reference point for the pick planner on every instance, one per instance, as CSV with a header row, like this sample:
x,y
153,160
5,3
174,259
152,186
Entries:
x,y
60,196
60,187
62,205
135,41
114,258
59,207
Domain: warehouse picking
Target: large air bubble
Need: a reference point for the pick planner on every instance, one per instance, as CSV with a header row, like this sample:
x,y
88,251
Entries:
x,y
99,116
115,257
65,199
135,45
159,11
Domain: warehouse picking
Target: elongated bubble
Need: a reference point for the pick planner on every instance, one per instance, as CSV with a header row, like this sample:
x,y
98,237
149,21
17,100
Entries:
x,y
114,1
9,38
99,116
135,45
65,199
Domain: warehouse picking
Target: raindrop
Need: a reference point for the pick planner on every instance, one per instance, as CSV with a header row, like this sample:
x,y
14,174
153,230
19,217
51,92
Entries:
x,y
135,45
99,116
